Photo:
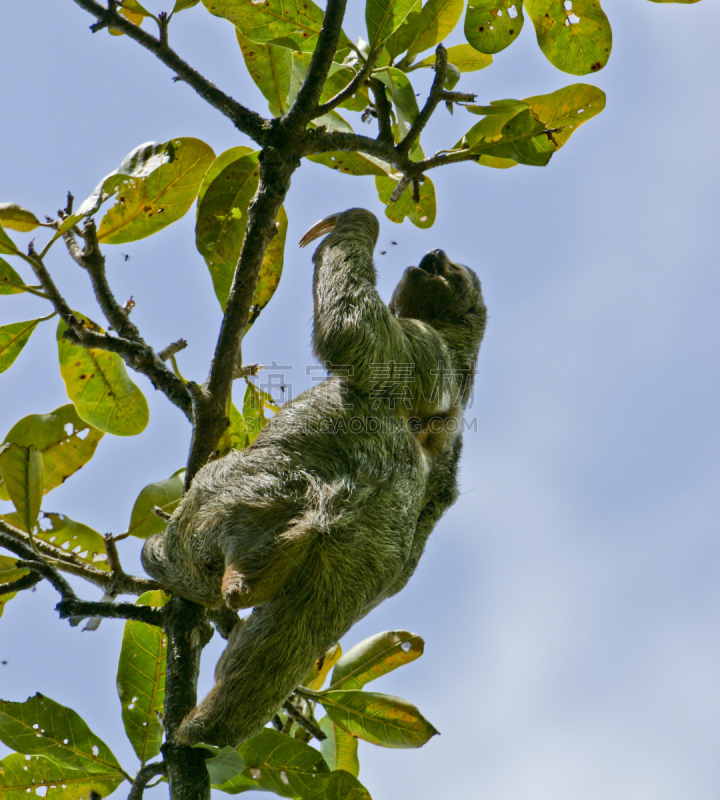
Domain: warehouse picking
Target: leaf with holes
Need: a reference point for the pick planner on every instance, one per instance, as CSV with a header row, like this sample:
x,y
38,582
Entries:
x,y
99,386
463,56
377,718
17,218
436,22
66,442
270,67
73,537
9,573
340,749
382,17
21,469
492,25
22,776
13,338
10,281
145,205
141,680
421,214
163,494
40,726
574,35
277,763
375,657
315,677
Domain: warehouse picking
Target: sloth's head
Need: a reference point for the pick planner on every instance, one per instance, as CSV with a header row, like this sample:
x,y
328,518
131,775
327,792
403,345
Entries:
x,y
438,291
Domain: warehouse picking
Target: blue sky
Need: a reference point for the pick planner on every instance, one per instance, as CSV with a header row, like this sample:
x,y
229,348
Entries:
x,y
569,600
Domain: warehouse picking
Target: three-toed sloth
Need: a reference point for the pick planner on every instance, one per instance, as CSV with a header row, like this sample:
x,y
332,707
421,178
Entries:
x,y
327,513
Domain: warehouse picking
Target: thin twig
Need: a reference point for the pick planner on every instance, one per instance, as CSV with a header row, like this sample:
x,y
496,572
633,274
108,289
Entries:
x,y
144,776
74,607
434,98
172,349
26,582
352,87
382,108
306,724
246,121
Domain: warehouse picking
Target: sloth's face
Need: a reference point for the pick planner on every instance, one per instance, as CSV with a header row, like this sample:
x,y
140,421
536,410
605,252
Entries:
x,y
437,290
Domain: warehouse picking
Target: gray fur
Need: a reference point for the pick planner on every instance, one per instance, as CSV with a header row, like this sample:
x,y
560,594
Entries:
x,y
316,522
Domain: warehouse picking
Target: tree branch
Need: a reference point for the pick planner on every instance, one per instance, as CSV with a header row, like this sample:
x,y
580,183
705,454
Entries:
x,y
277,165
75,607
434,98
352,87
382,108
26,582
304,722
246,121
91,259
305,106
135,352
144,776
19,542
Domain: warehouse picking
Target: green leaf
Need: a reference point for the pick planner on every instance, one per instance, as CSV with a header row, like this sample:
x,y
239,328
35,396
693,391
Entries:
x,y
225,158
377,718
222,211
375,657
86,544
437,20
141,680
575,36
399,41
181,5
340,748
421,214
21,469
17,218
529,131
567,109
382,17
6,243
463,56
99,386
294,24
235,436
223,765
221,223
9,573
66,442
341,785
492,25
40,726
13,338
10,281
319,670
270,67
163,494
21,777
277,763
254,404
147,204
